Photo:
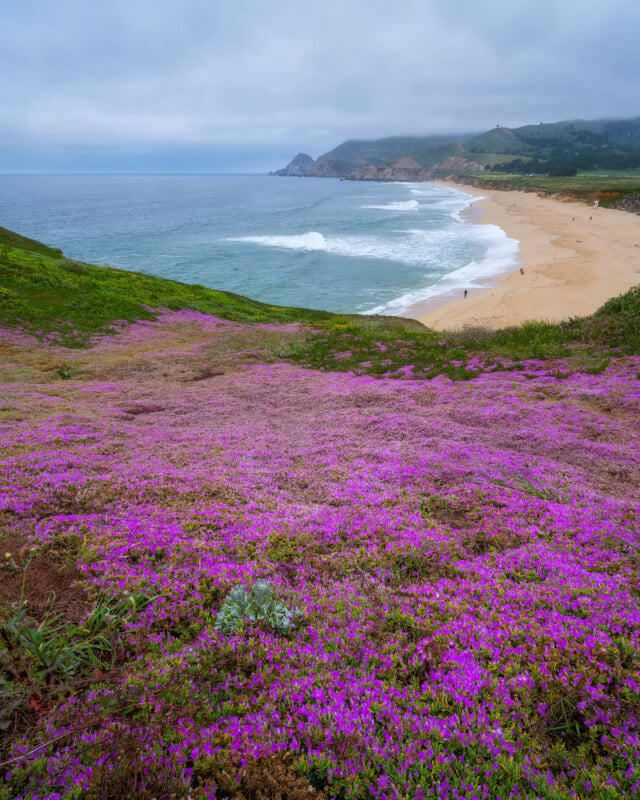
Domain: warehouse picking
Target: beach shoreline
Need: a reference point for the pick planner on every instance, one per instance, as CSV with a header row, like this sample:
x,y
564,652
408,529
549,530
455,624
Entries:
x,y
572,258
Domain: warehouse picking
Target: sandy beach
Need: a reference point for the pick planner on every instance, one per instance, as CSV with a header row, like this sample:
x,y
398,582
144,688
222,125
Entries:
x,y
572,258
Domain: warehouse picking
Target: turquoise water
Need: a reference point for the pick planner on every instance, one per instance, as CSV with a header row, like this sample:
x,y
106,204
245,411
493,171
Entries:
x,y
318,243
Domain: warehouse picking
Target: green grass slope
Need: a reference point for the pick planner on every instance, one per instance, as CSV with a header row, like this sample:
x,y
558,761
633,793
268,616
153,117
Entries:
x,y
47,294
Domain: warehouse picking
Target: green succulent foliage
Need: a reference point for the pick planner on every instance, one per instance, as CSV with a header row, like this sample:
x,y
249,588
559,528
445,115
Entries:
x,y
258,605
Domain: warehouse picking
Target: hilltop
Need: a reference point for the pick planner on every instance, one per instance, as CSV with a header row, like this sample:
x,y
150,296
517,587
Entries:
x,y
252,552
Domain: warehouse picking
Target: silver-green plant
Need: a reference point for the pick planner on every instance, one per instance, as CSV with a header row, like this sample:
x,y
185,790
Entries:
x,y
258,605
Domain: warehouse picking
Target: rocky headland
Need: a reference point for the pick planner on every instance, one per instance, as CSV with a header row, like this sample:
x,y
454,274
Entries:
x,y
298,167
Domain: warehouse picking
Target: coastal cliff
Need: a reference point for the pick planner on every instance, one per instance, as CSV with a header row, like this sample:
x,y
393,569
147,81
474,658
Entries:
x,y
404,169
408,169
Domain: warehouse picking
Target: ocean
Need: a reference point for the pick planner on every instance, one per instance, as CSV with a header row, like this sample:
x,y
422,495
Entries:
x,y
311,242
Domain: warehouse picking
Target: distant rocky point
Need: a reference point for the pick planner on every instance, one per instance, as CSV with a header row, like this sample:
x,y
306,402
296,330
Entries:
x,y
297,167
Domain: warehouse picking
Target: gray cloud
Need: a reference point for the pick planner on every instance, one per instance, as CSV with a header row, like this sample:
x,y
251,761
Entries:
x,y
243,77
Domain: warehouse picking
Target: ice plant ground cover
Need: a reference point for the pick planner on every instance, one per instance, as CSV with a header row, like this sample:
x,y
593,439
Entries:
x,y
463,557
460,557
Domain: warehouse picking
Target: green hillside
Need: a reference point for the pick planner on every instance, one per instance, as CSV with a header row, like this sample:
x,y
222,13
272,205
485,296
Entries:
x,y
45,293
430,156
562,147
498,140
363,152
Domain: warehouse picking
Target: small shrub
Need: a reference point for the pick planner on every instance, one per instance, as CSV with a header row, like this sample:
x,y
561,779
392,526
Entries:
x,y
598,368
65,371
256,606
74,267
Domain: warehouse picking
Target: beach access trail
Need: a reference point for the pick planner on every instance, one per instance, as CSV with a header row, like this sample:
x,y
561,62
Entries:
x,y
572,258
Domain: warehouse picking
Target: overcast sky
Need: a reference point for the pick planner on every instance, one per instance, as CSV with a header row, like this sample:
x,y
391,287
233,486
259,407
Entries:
x,y
243,85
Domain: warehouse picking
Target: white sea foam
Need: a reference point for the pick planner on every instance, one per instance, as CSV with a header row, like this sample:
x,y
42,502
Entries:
x,y
305,242
453,201
500,257
421,248
457,214
397,205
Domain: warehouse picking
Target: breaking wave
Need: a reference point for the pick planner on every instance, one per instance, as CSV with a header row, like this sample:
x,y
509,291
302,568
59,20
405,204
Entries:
x,y
397,205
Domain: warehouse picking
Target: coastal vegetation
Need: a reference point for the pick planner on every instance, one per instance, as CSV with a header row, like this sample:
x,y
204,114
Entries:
x,y
609,189
259,552
369,347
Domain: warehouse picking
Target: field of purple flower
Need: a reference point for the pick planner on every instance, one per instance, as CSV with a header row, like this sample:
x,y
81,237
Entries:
x,y
461,557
